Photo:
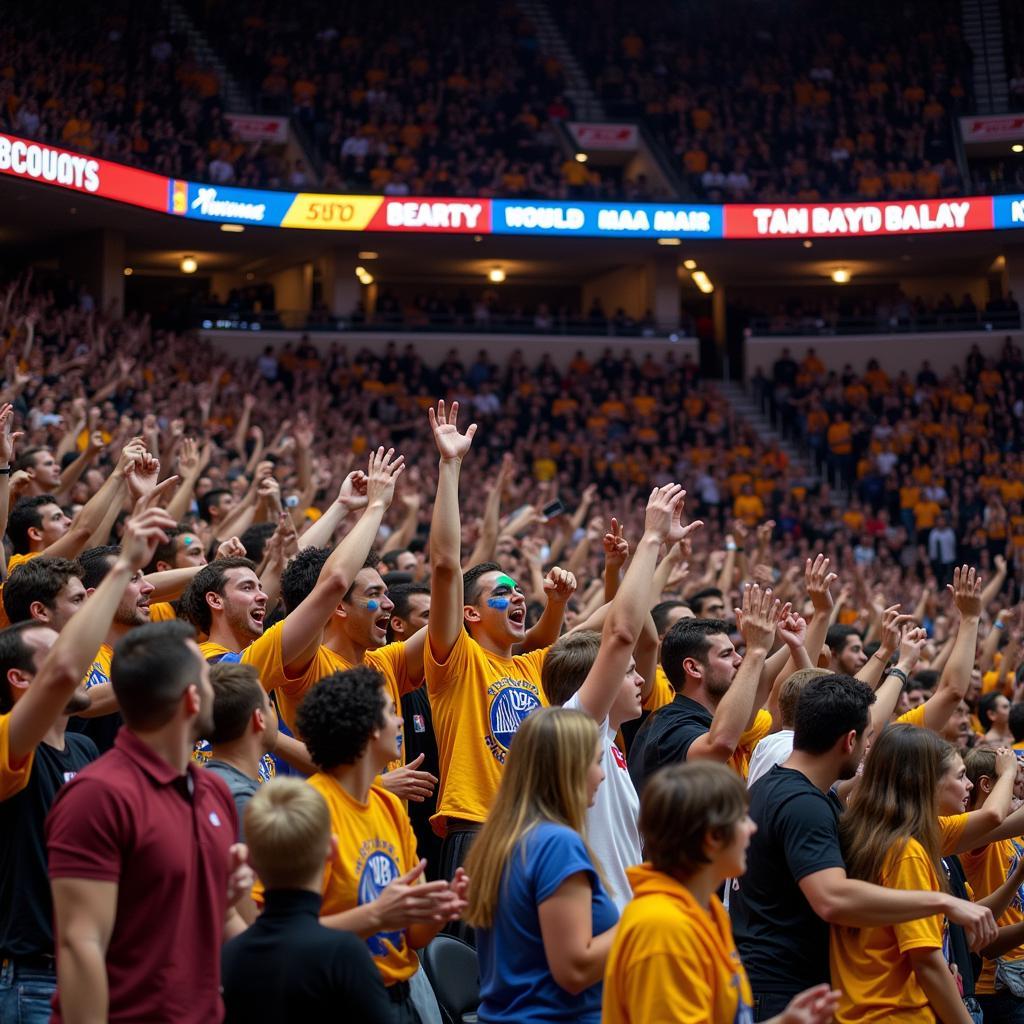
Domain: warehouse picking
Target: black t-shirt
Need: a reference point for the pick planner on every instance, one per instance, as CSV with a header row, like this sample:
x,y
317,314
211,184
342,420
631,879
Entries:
x,y
958,950
26,908
666,736
781,940
419,739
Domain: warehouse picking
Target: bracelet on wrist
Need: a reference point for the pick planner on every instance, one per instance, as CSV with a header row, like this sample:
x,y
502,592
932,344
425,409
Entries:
x,y
999,625
899,674
6,470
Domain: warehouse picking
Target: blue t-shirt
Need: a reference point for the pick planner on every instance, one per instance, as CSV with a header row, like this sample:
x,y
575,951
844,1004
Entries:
x,y
515,981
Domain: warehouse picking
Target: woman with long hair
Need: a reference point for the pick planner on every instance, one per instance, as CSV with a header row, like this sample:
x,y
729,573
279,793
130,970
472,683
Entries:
x,y
674,958
891,836
544,922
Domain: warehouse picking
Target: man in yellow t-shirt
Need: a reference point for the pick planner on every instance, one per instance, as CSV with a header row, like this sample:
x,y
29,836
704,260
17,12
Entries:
x,y
353,730
480,691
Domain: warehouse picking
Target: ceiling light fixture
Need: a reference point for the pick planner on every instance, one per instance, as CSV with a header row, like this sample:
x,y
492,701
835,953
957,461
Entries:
x,y
188,265
495,275
841,275
702,281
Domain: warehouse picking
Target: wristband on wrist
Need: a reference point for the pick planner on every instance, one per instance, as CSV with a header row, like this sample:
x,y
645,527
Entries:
x,y
999,625
6,470
730,547
899,674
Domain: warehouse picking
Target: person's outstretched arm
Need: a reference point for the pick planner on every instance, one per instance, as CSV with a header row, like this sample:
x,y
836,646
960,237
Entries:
x,y
446,595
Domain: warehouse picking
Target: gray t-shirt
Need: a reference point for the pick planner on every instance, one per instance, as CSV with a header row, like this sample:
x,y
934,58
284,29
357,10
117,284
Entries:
x,y
242,788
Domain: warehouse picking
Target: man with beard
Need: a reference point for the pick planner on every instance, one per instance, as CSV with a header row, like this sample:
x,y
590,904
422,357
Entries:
x,y
796,885
144,867
41,680
715,714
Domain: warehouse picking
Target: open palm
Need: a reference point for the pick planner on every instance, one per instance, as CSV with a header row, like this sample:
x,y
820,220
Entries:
x,y
450,443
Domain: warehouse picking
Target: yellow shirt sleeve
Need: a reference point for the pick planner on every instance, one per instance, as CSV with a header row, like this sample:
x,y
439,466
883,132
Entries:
x,y
951,828
912,870
265,654
13,778
161,611
915,716
661,692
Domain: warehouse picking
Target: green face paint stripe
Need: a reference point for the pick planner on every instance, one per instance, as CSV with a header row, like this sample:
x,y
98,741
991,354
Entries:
x,y
507,581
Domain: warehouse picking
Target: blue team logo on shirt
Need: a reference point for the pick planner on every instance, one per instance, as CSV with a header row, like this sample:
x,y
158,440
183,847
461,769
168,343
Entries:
x,y
509,707
96,676
267,769
379,872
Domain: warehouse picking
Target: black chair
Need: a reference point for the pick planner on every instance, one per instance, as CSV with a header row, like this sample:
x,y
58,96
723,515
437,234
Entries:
x,y
454,973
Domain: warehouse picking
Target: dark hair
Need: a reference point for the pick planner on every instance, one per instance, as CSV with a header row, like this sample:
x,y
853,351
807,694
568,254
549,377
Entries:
x,y
1016,722
401,594
837,637
471,580
396,579
660,613
254,540
96,563
237,693
211,579
38,579
27,459
26,516
209,499
166,552
337,717
688,638
924,679
300,575
828,708
151,669
390,558
680,805
985,708
697,600
15,653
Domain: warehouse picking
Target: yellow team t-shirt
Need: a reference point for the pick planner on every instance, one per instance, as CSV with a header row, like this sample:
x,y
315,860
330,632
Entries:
x,y
478,700
376,845
672,959
13,777
99,670
987,869
264,653
915,716
162,611
870,966
740,760
661,692
389,661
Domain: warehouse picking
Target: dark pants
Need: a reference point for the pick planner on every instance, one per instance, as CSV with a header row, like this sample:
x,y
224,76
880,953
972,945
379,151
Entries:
x,y
454,849
771,1004
1002,1008
25,994
401,1000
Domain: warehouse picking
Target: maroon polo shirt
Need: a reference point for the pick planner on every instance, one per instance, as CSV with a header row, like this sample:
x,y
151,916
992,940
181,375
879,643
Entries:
x,y
164,838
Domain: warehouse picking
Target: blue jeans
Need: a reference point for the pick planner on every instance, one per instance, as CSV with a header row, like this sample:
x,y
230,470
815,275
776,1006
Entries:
x,y
25,994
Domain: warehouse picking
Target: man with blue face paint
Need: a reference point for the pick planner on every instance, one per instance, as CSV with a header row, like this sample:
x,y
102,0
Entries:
x,y
480,680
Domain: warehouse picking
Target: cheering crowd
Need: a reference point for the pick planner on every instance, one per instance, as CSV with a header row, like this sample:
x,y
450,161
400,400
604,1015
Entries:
x,y
281,713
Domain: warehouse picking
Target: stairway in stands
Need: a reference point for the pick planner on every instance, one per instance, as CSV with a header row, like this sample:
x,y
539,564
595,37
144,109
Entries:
x,y
982,23
745,408
588,107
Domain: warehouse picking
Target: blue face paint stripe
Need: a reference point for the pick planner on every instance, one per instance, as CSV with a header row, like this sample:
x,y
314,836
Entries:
x,y
372,605
501,603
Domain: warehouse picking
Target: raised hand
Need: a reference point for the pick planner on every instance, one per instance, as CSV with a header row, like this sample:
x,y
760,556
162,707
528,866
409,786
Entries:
x,y
793,630
966,591
912,642
8,440
1006,761
450,443
240,875
382,474
616,547
818,581
142,474
230,548
559,585
759,617
188,456
352,492
892,629
142,533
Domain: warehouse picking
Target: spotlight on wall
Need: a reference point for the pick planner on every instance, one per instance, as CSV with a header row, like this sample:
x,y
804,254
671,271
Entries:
x,y
188,265
495,275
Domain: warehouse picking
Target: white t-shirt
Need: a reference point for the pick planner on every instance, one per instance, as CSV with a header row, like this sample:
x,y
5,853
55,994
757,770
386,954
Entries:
x,y
612,822
772,750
